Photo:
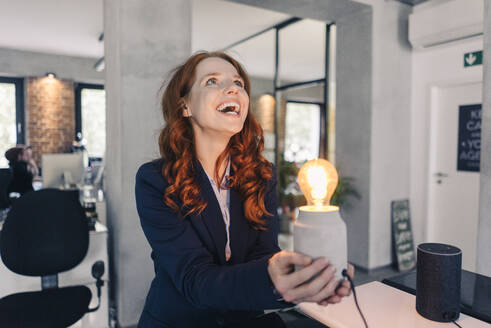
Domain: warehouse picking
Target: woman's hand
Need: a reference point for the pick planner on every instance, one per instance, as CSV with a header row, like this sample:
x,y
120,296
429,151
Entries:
x,y
341,291
293,286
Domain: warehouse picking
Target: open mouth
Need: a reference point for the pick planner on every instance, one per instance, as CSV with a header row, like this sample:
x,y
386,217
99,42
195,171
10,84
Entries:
x,y
230,108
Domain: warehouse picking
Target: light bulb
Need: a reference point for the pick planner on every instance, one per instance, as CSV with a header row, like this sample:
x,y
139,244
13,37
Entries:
x,y
319,229
318,179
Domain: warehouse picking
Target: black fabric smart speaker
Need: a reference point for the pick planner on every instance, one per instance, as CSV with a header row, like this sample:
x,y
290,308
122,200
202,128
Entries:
x,y
438,275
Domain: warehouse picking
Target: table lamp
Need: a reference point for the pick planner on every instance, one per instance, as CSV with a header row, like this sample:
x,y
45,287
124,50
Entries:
x,y
319,229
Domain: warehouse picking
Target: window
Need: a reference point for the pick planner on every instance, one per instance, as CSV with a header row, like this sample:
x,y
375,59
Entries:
x,y
11,115
302,131
90,117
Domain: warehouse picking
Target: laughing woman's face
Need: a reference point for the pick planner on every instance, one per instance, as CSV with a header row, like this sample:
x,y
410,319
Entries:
x,y
217,102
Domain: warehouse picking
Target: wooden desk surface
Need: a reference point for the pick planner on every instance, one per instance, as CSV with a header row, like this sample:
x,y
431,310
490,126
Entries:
x,y
383,307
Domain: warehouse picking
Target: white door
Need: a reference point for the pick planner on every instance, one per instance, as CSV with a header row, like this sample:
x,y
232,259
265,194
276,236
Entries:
x,y
453,206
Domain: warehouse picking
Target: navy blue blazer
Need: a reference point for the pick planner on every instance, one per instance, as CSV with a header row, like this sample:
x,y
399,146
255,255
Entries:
x,y
194,286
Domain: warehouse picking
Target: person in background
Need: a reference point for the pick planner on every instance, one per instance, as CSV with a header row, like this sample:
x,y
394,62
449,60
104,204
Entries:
x,y
22,176
78,145
31,164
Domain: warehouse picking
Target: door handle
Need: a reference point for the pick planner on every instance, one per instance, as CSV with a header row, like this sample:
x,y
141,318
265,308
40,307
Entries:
x,y
439,176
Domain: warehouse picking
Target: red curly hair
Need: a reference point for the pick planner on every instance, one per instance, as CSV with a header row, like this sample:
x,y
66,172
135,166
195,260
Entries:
x,y
176,143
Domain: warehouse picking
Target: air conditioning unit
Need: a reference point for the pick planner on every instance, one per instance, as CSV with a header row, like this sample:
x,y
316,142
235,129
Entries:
x,y
445,22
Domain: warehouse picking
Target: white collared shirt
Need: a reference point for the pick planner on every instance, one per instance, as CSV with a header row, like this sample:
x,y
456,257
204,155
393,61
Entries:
x,y
223,198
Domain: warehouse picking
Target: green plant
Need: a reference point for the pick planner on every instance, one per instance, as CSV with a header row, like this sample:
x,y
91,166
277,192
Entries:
x,y
344,191
289,193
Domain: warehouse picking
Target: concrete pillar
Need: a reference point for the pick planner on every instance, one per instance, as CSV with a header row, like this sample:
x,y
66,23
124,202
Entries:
x,y
353,125
484,225
144,40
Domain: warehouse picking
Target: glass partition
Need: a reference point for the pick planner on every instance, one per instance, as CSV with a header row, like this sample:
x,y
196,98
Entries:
x,y
260,66
94,121
302,131
289,95
302,52
11,115
90,121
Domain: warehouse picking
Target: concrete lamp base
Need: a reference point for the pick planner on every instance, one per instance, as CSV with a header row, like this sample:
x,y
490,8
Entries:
x,y
322,232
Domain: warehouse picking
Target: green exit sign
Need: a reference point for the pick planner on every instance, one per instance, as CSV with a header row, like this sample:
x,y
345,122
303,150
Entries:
x,y
473,58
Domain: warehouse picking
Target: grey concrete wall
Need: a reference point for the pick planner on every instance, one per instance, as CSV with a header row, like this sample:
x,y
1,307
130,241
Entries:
x,y
144,40
323,10
484,227
25,63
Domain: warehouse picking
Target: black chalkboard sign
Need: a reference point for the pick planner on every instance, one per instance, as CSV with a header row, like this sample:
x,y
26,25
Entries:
x,y
469,143
402,236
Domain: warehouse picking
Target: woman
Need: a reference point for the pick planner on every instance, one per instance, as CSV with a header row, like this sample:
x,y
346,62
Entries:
x,y
22,177
208,209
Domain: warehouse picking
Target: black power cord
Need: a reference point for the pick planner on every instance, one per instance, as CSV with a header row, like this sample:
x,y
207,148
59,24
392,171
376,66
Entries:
x,y
451,317
345,274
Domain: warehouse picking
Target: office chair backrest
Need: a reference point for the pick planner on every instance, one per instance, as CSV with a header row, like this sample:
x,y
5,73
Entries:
x,y
5,180
46,232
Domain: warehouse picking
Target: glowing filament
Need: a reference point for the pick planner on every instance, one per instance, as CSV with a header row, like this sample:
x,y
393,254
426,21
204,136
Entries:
x,y
318,180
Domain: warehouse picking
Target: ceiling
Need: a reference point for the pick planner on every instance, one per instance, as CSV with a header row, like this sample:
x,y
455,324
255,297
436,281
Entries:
x,y
301,44
72,27
67,27
301,52
412,2
209,17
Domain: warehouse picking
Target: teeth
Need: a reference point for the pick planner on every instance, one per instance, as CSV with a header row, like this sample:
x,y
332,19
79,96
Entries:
x,y
234,106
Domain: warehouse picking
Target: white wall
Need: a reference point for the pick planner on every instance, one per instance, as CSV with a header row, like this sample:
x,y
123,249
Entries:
x,y
436,65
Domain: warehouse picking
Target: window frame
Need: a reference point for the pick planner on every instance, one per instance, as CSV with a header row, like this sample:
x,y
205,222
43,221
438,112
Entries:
x,y
322,120
78,102
19,106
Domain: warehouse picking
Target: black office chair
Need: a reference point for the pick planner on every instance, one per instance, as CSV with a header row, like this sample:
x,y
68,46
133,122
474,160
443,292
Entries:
x,y
5,179
45,233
